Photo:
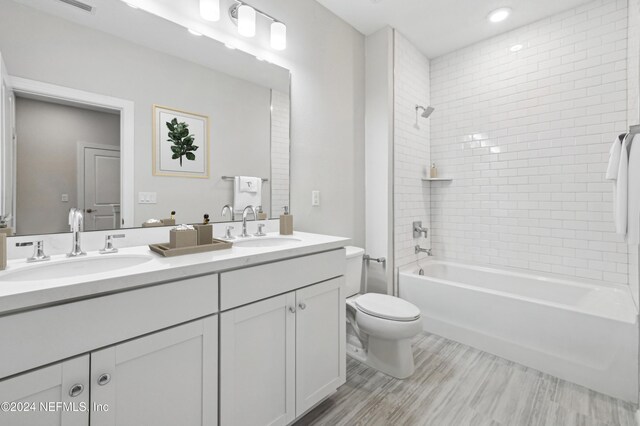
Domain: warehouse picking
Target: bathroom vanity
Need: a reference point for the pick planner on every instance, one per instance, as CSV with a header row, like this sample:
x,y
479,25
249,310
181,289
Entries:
x,y
246,336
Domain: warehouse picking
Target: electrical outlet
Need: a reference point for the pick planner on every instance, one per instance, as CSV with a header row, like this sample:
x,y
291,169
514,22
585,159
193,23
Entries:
x,y
315,198
147,198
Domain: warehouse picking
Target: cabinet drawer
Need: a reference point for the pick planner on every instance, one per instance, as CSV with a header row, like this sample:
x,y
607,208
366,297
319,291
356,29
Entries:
x,y
251,284
43,336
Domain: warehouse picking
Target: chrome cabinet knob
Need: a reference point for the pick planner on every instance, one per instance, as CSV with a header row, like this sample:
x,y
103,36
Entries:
x,y
302,306
292,309
76,390
104,379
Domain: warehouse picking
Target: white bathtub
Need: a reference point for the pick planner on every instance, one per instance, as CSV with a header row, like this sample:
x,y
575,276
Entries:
x,y
584,333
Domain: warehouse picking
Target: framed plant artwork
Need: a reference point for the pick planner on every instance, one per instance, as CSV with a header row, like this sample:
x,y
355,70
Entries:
x,y
180,143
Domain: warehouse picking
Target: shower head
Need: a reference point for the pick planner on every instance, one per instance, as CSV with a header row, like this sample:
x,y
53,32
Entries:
x,y
426,112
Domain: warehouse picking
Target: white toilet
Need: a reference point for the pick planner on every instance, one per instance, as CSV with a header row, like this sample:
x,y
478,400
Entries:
x,y
379,327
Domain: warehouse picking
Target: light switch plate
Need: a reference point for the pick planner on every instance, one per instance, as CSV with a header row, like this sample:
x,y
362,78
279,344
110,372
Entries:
x,y
315,198
147,198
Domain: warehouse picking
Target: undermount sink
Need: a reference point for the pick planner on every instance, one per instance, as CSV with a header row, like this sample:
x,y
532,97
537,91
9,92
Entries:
x,y
51,270
266,242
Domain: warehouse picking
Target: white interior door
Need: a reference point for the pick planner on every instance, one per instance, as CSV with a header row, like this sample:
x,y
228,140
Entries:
x,y
320,342
43,390
165,378
257,363
101,188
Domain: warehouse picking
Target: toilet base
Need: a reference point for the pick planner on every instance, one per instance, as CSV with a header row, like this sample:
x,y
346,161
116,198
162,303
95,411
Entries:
x,y
391,357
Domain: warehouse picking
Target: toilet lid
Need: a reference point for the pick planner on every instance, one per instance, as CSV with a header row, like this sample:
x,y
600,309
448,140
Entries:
x,y
387,307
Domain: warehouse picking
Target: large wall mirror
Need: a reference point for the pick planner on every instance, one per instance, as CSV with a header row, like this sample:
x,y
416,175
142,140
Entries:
x,y
129,117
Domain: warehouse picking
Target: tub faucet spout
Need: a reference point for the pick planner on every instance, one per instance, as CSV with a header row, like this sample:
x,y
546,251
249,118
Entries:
x,y
423,250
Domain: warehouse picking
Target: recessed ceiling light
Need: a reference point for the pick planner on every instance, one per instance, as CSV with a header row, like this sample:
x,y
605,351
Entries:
x,y
194,32
516,48
499,15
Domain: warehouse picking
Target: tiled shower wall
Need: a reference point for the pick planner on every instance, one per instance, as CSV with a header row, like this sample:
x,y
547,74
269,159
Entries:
x,y
525,136
411,148
280,110
633,117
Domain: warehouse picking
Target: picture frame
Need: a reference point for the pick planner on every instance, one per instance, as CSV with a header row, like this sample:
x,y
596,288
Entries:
x,y
181,146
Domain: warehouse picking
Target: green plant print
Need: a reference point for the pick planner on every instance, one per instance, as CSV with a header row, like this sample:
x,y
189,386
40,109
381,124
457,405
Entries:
x,y
182,141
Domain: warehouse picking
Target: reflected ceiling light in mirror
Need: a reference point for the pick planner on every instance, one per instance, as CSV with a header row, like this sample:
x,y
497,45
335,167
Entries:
x,y
499,15
194,32
246,20
210,10
278,35
516,48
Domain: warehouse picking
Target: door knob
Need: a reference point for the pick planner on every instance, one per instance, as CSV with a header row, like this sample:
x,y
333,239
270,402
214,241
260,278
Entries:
x,y
90,210
104,379
76,390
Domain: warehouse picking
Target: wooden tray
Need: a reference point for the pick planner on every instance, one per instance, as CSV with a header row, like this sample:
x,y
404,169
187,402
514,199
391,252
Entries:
x,y
166,251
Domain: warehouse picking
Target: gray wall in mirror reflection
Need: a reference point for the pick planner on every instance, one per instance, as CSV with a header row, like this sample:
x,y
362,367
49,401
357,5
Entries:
x,y
46,160
45,48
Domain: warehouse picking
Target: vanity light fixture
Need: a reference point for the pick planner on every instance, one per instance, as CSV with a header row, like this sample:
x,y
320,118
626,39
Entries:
x,y
210,10
499,15
244,16
246,20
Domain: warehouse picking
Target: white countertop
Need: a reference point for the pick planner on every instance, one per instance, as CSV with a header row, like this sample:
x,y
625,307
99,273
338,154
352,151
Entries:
x,y
21,295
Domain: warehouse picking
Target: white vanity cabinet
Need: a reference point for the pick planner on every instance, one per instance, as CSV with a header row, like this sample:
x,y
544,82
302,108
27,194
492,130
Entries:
x,y
282,355
35,398
166,378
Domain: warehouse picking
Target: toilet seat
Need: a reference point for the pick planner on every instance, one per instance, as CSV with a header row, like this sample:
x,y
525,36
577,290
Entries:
x,y
387,307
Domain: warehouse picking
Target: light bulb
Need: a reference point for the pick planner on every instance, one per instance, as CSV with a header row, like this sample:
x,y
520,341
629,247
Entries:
x,y
246,21
278,36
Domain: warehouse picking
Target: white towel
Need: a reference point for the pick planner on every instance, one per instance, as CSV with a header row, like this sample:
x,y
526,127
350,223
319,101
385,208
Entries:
x,y
250,183
633,193
614,158
621,195
242,199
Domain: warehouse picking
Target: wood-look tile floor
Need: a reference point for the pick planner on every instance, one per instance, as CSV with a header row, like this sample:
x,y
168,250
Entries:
x,y
456,385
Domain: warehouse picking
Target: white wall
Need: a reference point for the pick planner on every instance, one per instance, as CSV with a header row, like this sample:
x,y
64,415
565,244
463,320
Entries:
x,y
47,137
411,149
633,117
526,137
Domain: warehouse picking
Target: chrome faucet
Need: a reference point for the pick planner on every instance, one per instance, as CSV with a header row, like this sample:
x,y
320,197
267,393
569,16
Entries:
x,y
38,251
228,208
422,250
75,223
244,219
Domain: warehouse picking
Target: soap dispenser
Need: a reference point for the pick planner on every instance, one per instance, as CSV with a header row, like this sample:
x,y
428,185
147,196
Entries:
x,y
286,222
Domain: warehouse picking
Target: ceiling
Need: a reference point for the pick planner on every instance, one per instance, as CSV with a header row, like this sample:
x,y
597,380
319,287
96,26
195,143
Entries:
x,y
437,27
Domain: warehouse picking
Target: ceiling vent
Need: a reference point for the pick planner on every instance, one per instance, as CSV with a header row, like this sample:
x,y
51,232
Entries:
x,y
79,5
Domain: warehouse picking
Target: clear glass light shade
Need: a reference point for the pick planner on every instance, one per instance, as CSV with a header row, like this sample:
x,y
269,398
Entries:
x,y
246,21
210,10
278,36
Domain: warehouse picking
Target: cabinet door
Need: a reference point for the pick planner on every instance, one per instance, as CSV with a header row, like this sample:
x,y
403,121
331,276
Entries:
x,y
320,342
54,395
166,378
257,364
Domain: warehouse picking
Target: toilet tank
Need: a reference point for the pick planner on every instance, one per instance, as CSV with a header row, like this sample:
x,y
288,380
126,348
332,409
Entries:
x,y
353,276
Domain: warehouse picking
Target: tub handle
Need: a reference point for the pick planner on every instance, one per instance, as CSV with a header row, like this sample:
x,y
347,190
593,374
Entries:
x,y
368,259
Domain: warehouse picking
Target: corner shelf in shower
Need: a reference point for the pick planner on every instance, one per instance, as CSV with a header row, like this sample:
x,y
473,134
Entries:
x,y
440,179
